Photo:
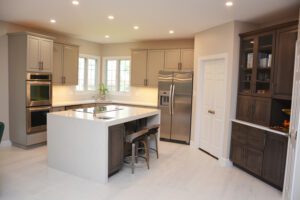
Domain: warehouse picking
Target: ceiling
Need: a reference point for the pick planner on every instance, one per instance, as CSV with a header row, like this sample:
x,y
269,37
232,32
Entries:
x,y
155,18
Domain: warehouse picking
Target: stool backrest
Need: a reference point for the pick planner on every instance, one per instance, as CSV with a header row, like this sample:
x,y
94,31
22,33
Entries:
x,y
1,130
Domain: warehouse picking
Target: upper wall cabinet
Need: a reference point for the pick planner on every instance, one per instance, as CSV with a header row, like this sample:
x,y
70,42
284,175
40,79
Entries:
x,y
139,67
179,59
284,62
267,61
146,64
35,50
65,64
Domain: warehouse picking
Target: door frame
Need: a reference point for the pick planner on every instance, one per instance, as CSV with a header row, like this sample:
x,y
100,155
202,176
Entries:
x,y
198,99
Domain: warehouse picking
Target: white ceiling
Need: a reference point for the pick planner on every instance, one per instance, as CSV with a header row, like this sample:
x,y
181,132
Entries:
x,y
155,17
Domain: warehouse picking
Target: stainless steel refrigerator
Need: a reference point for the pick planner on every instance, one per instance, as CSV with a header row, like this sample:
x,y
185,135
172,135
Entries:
x,y
175,92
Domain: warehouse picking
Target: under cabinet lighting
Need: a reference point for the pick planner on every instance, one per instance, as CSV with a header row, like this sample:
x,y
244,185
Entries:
x,y
136,27
107,36
52,21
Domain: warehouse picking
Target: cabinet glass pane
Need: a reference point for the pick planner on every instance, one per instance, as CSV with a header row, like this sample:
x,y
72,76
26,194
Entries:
x,y
246,66
264,65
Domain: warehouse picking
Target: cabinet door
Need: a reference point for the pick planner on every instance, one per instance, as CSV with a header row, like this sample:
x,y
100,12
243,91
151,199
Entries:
x,y
187,59
138,67
70,63
172,59
57,64
237,154
254,161
244,108
116,148
155,64
33,55
46,54
274,159
261,111
239,133
284,62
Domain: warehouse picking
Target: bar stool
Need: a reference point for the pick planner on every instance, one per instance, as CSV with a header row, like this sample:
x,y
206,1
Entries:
x,y
153,131
135,139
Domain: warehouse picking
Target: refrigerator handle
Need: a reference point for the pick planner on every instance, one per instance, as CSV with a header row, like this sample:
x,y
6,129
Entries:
x,y
170,99
173,91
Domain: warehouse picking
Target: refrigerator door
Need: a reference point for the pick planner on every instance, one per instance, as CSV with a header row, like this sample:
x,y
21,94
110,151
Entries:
x,y
182,107
165,81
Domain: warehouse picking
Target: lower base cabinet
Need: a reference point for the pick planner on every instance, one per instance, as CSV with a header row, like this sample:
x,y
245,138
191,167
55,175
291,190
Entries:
x,y
259,152
116,148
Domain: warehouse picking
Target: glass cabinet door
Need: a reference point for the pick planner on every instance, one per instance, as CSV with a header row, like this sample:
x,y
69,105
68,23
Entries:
x,y
264,65
246,65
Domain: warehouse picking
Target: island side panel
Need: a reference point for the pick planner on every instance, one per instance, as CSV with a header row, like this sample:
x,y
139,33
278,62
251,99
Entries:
x,y
78,146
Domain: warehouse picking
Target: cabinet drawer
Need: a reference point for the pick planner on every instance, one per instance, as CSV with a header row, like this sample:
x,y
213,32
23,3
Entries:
x,y
239,133
237,154
256,139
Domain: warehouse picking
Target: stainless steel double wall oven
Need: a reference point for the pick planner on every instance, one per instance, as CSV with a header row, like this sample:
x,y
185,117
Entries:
x,y
38,101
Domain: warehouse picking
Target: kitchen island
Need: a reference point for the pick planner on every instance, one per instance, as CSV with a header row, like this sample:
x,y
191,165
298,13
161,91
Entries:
x,y
79,140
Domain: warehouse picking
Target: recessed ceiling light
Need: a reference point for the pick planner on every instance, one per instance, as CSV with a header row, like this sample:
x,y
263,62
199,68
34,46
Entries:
x,y
110,17
229,3
171,32
52,21
136,27
76,3
107,36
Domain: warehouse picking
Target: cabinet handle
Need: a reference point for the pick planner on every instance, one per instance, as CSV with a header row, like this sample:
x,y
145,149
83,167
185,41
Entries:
x,y
64,80
180,66
145,82
42,65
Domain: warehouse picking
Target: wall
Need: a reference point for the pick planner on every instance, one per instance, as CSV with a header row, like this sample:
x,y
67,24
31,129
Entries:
x,y
85,48
223,39
141,94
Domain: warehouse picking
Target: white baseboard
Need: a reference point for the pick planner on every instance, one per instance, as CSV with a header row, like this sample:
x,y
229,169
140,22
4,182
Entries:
x,y
5,143
193,144
225,162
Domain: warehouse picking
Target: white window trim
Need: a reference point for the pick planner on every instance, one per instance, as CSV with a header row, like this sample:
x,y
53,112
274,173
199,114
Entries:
x,y
104,59
98,70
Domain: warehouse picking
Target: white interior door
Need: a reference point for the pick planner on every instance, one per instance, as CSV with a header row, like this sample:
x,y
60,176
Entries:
x,y
213,106
292,175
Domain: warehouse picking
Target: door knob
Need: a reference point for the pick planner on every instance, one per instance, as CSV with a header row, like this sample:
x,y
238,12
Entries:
x,y
211,112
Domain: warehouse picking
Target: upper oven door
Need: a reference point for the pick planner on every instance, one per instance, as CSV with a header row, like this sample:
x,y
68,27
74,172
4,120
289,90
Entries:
x,y
39,93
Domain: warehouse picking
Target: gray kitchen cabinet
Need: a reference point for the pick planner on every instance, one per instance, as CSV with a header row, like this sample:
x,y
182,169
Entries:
x,y
179,59
36,50
115,148
154,65
65,67
139,67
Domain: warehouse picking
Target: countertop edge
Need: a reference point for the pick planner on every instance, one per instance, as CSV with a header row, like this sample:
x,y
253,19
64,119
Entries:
x,y
260,127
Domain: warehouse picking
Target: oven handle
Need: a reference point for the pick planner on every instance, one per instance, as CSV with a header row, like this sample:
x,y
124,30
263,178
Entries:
x,y
39,82
39,108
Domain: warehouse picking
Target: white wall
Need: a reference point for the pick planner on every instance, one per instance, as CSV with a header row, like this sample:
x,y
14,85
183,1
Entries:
x,y
85,48
223,39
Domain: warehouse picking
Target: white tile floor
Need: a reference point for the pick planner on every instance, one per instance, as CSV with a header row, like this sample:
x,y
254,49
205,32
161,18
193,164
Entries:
x,y
180,173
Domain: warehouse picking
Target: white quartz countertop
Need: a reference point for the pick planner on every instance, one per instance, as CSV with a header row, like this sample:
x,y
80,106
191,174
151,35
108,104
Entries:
x,y
78,102
124,114
260,127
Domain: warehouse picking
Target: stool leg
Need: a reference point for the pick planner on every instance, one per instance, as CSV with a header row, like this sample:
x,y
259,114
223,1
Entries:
x,y
156,145
147,152
132,158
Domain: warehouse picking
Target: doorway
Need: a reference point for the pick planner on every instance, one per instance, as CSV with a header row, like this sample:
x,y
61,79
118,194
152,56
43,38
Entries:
x,y
212,106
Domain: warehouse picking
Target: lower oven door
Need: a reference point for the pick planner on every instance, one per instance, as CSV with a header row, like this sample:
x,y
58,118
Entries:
x,y
37,119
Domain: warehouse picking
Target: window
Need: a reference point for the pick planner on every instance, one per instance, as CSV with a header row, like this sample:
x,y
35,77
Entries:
x,y
88,77
117,74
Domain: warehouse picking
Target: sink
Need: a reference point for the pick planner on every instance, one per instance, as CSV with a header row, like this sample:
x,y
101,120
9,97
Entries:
x,y
104,118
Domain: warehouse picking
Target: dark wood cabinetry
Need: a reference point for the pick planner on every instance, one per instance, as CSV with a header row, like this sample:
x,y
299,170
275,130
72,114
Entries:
x,y
116,148
259,152
274,159
284,62
254,109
